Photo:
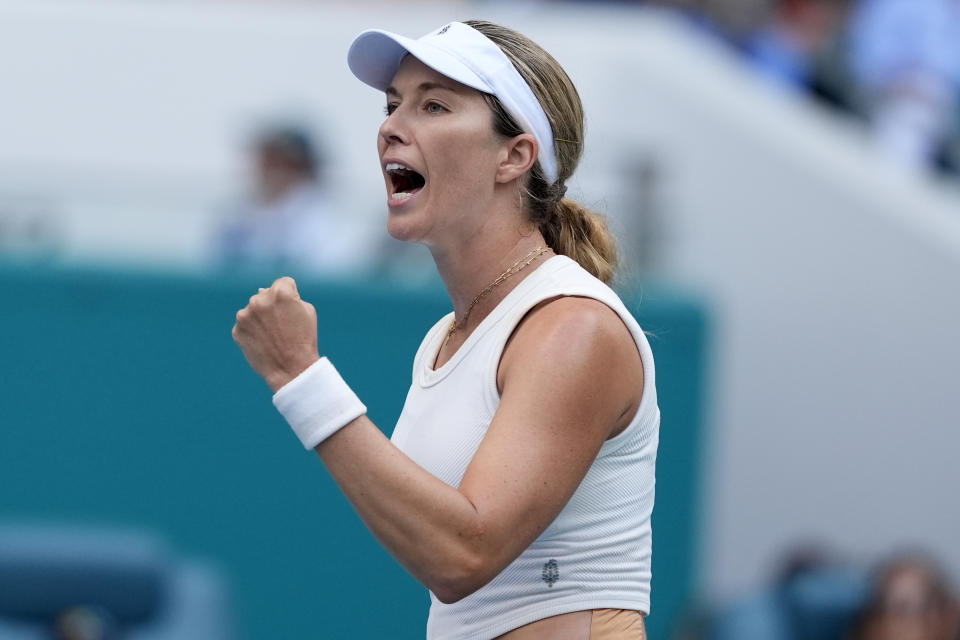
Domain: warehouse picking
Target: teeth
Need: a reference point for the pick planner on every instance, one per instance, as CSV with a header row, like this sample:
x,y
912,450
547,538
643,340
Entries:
x,y
394,166
401,196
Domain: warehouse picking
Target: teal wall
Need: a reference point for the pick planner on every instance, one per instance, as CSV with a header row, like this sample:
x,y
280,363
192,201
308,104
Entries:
x,y
123,400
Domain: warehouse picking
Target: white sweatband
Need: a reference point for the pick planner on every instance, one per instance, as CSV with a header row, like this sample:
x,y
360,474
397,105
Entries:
x,y
318,403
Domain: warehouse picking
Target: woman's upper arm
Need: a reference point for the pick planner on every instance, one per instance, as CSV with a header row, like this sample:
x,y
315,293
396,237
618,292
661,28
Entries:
x,y
569,373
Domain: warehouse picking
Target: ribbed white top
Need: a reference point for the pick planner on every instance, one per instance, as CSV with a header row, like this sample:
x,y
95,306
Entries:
x,y
596,553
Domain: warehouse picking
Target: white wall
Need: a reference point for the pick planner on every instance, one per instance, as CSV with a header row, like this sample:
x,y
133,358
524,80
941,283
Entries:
x,y
834,278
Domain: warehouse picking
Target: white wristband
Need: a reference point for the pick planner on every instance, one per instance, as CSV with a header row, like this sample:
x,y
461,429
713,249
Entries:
x,y
318,403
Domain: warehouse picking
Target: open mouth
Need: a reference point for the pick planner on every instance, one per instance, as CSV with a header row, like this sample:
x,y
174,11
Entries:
x,y
405,182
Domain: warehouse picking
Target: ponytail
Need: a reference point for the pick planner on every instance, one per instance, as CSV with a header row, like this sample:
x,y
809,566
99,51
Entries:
x,y
582,234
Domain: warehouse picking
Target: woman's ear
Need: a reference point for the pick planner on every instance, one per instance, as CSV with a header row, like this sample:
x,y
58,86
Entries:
x,y
520,153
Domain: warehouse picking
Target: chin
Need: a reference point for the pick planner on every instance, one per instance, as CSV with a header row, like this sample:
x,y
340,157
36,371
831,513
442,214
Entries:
x,y
400,228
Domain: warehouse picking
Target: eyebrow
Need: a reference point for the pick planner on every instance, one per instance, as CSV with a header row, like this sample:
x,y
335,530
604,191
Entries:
x,y
426,86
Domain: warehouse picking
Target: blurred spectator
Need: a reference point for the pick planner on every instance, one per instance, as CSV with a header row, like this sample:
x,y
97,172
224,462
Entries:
x,y
905,57
910,600
894,62
289,220
816,597
796,33
813,596
788,41
730,21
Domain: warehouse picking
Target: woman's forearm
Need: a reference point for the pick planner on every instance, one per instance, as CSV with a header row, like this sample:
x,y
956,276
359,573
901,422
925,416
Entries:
x,y
430,527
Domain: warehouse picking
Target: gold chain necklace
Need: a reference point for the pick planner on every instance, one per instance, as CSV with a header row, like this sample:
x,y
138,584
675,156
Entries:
x,y
516,267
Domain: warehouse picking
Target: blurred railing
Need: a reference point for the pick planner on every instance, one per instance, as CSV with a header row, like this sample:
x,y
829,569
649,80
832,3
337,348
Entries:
x,y
124,400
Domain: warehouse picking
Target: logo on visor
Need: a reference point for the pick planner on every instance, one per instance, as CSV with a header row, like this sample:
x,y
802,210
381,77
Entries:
x,y
443,30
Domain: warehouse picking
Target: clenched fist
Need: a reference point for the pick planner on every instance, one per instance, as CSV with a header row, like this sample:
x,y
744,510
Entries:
x,y
277,332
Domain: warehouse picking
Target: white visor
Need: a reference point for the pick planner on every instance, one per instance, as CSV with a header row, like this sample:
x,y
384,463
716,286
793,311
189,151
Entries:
x,y
460,53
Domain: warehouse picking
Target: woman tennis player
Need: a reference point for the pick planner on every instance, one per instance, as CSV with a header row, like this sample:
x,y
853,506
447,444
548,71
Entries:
x,y
519,480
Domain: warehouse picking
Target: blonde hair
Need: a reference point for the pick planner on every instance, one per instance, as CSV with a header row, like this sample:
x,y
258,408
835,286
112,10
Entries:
x,y
568,227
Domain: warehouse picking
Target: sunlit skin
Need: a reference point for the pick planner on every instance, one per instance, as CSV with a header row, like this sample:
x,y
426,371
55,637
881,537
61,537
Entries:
x,y
570,376
469,212
431,121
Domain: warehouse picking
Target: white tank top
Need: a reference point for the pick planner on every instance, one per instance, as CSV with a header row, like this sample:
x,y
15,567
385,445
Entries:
x,y
596,553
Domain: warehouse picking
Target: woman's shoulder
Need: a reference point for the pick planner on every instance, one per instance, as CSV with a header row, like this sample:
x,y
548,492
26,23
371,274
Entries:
x,y
575,321
575,349
590,298
571,319
570,331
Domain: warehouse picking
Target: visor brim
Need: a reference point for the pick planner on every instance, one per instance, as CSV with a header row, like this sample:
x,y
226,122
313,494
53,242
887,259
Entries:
x,y
375,55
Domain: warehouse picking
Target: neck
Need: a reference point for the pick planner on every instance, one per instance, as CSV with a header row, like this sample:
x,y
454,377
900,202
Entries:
x,y
476,263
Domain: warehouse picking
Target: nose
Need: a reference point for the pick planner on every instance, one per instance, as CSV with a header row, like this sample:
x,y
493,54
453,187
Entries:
x,y
393,131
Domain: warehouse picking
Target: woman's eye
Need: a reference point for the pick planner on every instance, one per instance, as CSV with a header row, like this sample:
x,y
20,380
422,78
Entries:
x,y
435,107
390,108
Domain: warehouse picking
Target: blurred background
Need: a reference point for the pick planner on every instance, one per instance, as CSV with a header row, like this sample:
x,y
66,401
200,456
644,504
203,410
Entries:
x,y
784,180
